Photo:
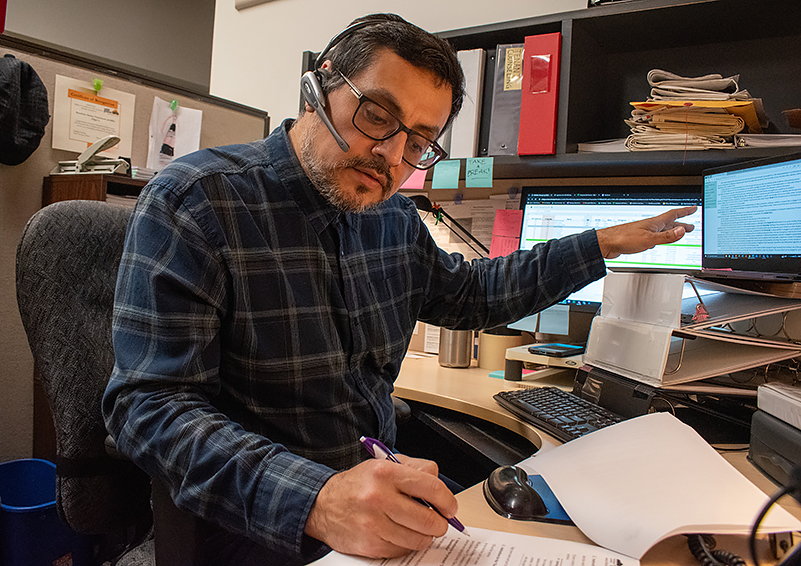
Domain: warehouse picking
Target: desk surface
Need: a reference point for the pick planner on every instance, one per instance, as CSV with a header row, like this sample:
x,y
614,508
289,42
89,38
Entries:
x,y
470,391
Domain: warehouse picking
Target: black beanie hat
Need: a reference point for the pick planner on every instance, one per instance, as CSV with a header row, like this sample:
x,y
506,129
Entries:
x,y
23,110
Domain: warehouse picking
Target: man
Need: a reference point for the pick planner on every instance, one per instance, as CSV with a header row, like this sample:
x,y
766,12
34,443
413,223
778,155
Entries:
x,y
267,295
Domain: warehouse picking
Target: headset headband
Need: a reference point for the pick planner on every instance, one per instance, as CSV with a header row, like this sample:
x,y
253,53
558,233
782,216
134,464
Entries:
x,y
340,36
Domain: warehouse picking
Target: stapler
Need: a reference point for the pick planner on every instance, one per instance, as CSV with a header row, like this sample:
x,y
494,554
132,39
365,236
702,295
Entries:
x,y
90,162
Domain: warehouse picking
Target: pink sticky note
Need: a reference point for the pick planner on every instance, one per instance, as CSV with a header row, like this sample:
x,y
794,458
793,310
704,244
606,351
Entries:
x,y
503,245
507,223
416,181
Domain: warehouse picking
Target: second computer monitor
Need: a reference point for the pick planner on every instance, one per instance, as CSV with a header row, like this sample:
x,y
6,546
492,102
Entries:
x,y
554,212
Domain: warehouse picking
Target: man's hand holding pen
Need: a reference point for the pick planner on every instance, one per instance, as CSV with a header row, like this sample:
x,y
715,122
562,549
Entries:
x,y
369,510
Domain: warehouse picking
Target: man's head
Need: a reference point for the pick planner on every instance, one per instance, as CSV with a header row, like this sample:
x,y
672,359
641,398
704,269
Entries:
x,y
389,65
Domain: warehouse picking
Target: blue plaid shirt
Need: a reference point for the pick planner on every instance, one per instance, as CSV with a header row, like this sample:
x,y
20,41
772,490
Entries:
x,y
258,330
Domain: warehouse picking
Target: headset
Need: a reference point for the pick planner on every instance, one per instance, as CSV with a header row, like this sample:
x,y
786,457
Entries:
x,y
310,82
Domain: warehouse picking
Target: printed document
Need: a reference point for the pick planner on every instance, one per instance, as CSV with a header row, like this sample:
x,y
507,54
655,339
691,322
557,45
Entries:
x,y
490,548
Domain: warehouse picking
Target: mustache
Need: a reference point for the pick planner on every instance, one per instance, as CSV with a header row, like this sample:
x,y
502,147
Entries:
x,y
379,166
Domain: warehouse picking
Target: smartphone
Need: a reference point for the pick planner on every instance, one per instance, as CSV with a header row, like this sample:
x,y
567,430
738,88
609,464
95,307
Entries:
x,y
556,350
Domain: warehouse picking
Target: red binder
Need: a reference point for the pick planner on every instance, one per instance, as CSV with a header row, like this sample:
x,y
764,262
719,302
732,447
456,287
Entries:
x,y
540,95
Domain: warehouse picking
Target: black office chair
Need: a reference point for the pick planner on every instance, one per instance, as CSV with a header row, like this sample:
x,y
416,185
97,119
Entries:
x,y
67,262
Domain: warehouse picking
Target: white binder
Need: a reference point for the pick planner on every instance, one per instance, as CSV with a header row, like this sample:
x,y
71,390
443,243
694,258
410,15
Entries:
x,y
648,333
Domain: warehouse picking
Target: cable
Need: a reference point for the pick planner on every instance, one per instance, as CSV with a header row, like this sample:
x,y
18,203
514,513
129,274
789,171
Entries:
x,y
773,499
702,548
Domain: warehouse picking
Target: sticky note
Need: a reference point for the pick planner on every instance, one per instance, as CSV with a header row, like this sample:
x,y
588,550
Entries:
x,y
507,223
478,171
416,181
503,245
446,174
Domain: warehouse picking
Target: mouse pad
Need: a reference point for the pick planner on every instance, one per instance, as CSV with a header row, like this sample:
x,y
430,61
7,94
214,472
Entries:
x,y
556,513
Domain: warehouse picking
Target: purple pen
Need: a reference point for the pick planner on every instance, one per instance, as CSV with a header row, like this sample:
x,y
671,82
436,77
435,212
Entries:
x,y
380,452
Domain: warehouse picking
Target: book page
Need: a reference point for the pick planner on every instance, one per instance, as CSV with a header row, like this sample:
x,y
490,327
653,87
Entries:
x,y
630,485
490,548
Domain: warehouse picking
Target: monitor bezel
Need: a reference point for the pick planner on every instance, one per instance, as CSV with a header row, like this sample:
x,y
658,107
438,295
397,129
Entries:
x,y
777,265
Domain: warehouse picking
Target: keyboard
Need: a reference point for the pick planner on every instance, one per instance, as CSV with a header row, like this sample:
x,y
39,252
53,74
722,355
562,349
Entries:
x,y
562,415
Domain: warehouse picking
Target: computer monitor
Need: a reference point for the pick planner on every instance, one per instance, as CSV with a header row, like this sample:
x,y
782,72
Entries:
x,y
554,212
752,219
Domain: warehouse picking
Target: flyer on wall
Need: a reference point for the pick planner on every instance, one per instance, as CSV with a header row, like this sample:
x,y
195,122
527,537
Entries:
x,y
83,115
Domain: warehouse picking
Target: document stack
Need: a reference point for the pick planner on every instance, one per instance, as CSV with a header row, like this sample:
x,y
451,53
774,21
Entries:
x,y
776,431
143,173
693,113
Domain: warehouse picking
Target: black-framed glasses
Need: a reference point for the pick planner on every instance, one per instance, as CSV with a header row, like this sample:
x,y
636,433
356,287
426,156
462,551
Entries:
x,y
379,124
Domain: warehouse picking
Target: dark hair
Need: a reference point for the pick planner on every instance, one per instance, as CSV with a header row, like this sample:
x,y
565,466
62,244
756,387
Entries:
x,y
357,50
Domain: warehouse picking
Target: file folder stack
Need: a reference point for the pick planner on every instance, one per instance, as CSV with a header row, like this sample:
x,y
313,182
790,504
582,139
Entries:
x,y
693,113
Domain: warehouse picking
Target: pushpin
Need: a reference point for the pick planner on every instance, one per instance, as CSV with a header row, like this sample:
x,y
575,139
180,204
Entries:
x,y
97,84
174,105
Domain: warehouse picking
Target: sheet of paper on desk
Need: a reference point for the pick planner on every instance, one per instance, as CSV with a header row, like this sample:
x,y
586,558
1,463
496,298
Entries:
x,y
632,484
489,548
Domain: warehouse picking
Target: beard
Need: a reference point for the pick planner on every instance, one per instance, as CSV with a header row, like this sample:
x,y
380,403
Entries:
x,y
322,176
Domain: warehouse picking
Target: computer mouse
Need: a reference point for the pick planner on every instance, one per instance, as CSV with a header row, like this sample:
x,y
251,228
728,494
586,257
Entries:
x,y
509,493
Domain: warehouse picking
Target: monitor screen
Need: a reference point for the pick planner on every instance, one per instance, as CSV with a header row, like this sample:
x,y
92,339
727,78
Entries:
x,y
550,212
752,216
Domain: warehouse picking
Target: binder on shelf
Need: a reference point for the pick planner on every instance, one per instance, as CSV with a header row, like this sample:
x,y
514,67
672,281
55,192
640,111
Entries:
x,y
506,96
465,129
646,332
540,95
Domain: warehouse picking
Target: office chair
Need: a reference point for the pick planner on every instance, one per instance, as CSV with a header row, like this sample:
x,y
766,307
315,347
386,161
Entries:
x,y
67,262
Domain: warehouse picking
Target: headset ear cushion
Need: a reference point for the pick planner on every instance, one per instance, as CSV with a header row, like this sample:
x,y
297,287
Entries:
x,y
311,90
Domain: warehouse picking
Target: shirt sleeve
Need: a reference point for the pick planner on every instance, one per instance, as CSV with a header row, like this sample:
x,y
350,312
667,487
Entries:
x,y
486,293
170,300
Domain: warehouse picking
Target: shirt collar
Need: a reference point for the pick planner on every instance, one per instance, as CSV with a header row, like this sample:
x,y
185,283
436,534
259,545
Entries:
x,y
317,209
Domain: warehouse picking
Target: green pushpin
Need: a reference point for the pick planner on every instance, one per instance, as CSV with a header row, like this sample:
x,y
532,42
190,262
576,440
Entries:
x,y
174,105
97,84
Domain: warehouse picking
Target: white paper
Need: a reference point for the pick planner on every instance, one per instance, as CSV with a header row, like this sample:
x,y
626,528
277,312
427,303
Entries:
x,y
629,348
177,129
81,116
632,484
431,339
653,298
491,548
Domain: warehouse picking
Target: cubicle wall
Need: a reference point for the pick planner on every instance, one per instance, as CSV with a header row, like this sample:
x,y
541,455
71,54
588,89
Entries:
x,y
21,196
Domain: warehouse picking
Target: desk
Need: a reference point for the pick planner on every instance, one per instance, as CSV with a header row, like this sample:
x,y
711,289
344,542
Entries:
x,y
470,391
88,186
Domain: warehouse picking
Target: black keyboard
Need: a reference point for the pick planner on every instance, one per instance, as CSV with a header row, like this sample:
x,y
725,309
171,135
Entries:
x,y
562,415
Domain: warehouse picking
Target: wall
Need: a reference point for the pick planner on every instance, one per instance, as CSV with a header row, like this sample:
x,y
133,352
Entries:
x,y
21,197
256,61
256,58
172,38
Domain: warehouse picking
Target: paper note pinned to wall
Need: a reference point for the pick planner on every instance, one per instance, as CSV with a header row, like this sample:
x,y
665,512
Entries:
x,y
478,172
446,174
502,246
508,223
506,232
